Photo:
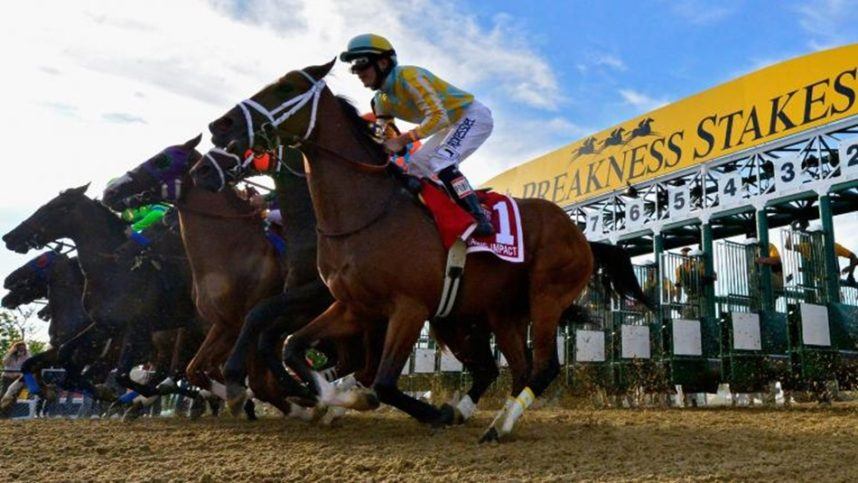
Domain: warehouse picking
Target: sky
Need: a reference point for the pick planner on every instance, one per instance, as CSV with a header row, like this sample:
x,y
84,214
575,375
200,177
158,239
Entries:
x,y
91,89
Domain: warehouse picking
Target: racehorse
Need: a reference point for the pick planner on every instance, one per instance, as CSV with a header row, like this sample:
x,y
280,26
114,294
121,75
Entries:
x,y
470,346
123,296
57,278
233,265
382,259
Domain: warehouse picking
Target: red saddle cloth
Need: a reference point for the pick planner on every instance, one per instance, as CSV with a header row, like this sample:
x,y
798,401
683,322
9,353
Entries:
x,y
454,222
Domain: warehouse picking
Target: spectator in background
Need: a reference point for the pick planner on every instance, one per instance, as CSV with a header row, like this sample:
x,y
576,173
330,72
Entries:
x,y
12,362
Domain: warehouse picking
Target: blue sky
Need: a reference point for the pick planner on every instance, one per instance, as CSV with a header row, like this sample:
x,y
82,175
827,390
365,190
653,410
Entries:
x,y
614,60
99,86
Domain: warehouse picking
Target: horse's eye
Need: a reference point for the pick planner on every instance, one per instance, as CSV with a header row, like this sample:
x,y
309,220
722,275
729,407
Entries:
x,y
285,88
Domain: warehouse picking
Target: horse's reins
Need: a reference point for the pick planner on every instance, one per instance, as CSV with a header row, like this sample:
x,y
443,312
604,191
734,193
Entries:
x,y
225,216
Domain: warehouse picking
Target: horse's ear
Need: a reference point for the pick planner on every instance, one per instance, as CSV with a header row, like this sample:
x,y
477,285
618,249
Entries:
x,y
320,71
193,143
80,189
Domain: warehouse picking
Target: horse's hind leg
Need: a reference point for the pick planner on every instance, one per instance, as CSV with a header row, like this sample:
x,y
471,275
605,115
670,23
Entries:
x,y
510,337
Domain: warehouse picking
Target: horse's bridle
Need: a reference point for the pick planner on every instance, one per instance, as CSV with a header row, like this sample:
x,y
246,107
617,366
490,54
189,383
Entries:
x,y
290,106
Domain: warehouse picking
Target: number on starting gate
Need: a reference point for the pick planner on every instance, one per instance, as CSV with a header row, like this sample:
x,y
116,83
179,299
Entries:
x,y
787,173
679,199
634,213
595,225
848,156
730,188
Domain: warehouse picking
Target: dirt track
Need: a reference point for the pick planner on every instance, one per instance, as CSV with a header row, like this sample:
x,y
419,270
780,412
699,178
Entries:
x,y
796,444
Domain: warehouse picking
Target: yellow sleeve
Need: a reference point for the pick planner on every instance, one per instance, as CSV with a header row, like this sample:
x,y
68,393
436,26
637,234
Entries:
x,y
428,100
773,252
842,251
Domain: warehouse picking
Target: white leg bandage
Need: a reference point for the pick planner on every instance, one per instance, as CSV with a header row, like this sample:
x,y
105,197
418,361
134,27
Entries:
x,y
300,412
219,390
466,407
166,384
499,417
522,402
345,383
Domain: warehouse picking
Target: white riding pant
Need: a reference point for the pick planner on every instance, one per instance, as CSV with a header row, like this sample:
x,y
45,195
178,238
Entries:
x,y
452,145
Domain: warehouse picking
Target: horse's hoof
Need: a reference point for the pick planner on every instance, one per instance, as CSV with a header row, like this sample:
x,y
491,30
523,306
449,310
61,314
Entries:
x,y
302,401
332,414
214,406
490,436
198,407
446,416
132,413
457,417
250,410
362,399
236,394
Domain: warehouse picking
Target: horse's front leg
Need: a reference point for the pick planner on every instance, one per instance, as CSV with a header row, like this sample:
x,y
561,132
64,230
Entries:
x,y
403,329
337,322
261,316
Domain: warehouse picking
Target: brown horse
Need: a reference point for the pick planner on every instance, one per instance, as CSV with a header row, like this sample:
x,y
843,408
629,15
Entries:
x,y
233,266
383,261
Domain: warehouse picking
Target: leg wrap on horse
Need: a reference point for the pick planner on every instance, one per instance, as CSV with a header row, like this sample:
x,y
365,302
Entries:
x,y
30,381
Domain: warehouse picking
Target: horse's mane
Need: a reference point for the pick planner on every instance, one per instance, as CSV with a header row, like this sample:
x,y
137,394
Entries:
x,y
361,129
109,215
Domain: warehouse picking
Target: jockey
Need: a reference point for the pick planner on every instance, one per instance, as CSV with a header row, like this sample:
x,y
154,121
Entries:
x,y
142,218
453,122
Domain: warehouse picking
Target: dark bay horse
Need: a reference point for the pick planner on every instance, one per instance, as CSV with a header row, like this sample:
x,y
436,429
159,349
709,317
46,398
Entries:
x,y
57,278
233,266
123,298
382,258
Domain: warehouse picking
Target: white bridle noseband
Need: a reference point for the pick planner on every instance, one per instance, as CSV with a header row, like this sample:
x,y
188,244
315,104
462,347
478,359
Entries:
x,y
275,117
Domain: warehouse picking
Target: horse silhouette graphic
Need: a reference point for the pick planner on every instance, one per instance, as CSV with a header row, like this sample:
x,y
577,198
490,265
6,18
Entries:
x,y
615,139
643,129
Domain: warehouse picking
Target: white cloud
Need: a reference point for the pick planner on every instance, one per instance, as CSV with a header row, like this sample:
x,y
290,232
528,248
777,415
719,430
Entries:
x,y
700,12
610,60
829,23
642,101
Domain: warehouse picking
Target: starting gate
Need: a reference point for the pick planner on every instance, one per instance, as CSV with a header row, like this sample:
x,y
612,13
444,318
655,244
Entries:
x,y
690,335
753,342
823,334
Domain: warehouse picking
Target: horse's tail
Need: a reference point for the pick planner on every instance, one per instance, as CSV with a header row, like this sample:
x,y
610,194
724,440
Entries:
x,y
618,275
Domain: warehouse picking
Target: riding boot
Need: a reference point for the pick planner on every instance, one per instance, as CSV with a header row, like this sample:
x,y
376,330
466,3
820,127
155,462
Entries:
x,y
411,183
459,188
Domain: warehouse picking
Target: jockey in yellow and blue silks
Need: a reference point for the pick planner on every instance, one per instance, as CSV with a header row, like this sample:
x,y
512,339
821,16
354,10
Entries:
x,y
452,122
